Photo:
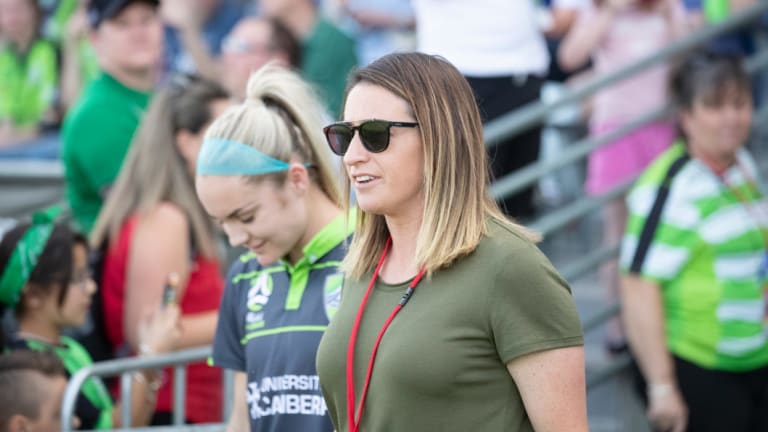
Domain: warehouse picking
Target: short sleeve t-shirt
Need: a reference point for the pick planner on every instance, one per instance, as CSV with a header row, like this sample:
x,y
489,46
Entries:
x,y
97,133
441,365
709,257
270,324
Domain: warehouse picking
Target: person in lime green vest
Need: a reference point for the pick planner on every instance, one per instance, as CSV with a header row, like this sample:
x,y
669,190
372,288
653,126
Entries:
x,y
44,280
28,74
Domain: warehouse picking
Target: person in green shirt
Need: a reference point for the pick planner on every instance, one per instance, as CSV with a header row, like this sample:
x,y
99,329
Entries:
x,y
695,261
99,128
328,54
451,319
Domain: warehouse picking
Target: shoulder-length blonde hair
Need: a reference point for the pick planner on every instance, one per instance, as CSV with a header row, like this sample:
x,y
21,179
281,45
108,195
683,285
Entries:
x,y
154,170
282,118
457,205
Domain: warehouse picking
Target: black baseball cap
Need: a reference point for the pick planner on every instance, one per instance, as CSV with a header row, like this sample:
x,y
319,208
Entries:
x,y
102,10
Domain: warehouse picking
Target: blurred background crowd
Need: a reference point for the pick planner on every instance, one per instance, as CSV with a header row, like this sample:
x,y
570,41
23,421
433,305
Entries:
x,y
120,92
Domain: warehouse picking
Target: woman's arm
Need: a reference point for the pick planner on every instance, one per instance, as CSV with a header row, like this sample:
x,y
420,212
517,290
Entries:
x,y
238,420
643,318
553,388
160,246
198,329
71,70
583,38
159,333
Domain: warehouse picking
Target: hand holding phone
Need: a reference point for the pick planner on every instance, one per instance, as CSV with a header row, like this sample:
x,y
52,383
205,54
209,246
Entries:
x,y
169,291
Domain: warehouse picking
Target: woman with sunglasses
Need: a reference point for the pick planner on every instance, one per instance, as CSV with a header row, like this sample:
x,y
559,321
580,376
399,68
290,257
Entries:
x,y
154,226
44,280
451,319
264,173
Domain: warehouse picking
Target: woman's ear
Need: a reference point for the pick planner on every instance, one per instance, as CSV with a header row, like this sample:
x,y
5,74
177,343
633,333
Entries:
x,y
188,144
32,297
298,177
18,423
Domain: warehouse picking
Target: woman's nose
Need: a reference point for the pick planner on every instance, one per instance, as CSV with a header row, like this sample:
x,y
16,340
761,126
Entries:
x,y
236,235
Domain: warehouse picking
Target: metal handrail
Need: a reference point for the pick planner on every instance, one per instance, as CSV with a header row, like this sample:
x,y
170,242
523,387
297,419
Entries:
x,y
520,120
124,367
523,177
208,427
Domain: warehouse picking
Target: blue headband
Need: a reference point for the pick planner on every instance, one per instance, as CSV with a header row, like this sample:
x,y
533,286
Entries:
x,y
225,157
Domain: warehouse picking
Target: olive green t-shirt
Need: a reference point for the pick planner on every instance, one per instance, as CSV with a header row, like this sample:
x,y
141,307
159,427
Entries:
x,y
441,365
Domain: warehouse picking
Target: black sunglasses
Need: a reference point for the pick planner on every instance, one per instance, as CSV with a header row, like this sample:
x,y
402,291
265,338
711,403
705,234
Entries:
x,y
374,134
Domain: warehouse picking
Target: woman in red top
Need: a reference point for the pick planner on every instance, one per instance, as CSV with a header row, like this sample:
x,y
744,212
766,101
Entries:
x,y
154,226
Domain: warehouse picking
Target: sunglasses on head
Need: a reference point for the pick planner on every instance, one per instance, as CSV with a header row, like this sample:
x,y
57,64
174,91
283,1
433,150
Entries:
x,y
374,134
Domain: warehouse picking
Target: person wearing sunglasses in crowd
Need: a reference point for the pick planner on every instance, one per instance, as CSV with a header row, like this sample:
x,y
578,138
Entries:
x,y
451,318
264,173
695,261
154,226
44,279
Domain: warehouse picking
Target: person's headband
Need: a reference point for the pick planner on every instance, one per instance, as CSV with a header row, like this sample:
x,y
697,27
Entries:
x,y
226,157
25,254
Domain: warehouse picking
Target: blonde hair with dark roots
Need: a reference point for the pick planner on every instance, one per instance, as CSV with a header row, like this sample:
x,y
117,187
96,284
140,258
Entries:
x,y
457,204
154,170
282,118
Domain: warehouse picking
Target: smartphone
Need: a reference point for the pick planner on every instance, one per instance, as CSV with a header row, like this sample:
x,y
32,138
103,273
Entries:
x,y
169,291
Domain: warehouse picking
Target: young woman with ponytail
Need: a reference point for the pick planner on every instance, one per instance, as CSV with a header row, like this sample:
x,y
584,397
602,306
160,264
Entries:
x,y
154,227
264,173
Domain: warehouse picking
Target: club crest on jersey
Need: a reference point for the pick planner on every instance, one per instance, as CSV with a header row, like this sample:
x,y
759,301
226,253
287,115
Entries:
x,y
258,294
332,294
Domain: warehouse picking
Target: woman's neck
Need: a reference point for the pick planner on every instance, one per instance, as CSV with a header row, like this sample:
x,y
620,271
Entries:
x,y
401,264
38,329
138,80
323,211
719,164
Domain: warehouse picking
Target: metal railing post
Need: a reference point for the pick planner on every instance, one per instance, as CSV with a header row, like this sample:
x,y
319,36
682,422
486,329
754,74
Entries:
x,y
69,401
227,393
179,392
126,384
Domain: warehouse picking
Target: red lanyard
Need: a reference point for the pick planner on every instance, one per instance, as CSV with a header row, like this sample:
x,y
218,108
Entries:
x,y
354,425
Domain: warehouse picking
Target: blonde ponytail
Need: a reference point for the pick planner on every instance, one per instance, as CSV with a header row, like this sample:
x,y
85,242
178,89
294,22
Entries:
x,y
282,118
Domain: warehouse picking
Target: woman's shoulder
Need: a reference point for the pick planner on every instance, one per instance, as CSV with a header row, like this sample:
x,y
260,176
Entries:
x,y
165,220
508,245
163,213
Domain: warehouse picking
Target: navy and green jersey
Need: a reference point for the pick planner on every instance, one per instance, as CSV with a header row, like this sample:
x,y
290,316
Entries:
x,y
28,83
94,404
270,324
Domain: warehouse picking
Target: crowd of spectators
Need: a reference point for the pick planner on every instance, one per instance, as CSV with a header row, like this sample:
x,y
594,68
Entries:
x,y
123,91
